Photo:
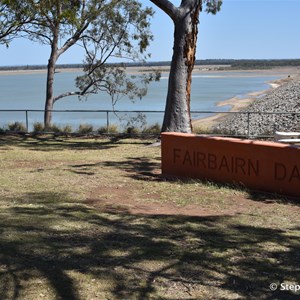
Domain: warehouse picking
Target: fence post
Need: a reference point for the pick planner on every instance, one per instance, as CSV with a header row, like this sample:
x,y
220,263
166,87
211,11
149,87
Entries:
x,y
107,121
26,114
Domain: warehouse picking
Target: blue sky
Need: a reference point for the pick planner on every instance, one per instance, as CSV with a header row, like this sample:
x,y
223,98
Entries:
x,y
253,29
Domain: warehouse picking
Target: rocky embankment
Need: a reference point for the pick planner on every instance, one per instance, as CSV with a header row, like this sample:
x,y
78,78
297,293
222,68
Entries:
x,y
284,100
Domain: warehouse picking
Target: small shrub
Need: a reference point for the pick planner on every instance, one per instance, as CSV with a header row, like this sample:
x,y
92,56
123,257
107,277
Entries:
x,y
85,128
152,129
113,129
17,126
102,130
67,129
38,127
132,130
55,128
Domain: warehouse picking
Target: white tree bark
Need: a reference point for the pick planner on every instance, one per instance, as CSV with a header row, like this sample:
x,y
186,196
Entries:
x,y
186,18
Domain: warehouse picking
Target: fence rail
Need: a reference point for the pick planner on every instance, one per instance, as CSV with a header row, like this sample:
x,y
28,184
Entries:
x,y
200,114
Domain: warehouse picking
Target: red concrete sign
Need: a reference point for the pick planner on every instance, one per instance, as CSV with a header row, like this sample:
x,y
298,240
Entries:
x,y
265,166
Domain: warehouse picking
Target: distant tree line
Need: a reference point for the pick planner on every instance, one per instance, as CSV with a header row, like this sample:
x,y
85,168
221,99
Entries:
x,y
264,63
234,63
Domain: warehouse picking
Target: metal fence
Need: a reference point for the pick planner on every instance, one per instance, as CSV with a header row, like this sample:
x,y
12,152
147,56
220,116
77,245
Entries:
x,y
242,123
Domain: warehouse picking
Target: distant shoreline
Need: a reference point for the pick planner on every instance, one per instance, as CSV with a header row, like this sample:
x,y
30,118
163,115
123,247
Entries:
x,y
237,104
39,71
165,69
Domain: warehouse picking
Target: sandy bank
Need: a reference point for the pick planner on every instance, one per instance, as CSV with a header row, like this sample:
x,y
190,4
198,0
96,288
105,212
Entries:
x,y
237,104
41,71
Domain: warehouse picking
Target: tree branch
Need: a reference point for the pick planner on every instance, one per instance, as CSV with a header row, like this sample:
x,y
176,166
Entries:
x,y
72,40
169,8
67,94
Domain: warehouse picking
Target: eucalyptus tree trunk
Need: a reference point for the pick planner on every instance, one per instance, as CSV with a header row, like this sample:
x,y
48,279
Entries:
x,y
50,81
177,116
56,52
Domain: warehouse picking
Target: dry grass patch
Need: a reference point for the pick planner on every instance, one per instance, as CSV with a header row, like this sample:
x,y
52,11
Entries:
x,y
94,219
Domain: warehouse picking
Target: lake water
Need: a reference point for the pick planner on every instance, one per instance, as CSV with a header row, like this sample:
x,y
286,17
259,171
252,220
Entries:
x,y
27,91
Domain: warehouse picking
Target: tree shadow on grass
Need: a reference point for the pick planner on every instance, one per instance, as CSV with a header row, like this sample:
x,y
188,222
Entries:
x,y
139,168
50,143
77,250
269,198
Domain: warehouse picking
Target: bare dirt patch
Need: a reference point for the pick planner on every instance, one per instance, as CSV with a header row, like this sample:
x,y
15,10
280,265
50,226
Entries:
x,y
133,199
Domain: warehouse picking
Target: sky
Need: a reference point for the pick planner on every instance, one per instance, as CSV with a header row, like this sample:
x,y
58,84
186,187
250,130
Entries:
x,y
243,29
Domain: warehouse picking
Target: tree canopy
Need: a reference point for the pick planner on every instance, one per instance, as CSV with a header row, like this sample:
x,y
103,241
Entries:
x,y
14,14
118,29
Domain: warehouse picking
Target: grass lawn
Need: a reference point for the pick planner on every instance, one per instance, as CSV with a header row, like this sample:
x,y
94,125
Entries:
x,y
94,219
